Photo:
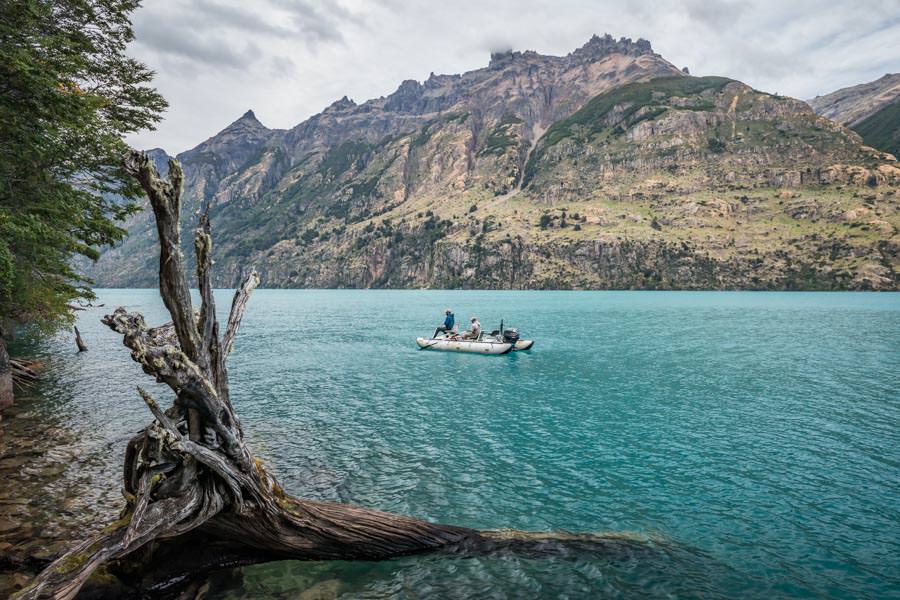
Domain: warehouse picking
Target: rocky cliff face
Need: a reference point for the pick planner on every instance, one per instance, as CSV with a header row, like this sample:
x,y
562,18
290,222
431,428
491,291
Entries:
x,y
607,167
851,105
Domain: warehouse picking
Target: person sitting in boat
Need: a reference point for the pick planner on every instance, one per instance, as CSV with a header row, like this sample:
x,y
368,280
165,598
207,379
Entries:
x,y
474,331
449,325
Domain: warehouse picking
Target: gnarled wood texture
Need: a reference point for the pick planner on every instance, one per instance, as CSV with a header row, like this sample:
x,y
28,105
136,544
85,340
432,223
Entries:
x,y
196,498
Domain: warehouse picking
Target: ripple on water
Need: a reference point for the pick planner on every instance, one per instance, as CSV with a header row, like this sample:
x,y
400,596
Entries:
x,y
750,439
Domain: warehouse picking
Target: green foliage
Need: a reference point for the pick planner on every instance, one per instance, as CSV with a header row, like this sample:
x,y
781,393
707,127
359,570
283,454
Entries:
x,y
715,145
497,142
340,159
510,119
500,138
881,130
636,96
591,120
369,186
647,115
423,136
69,95
461,116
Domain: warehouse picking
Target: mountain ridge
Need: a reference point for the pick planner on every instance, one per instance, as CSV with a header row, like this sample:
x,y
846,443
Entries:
x,y
607,167
853,104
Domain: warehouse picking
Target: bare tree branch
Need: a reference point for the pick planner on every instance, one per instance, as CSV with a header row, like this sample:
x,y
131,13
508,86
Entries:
x,y
196,498
165,198
238,307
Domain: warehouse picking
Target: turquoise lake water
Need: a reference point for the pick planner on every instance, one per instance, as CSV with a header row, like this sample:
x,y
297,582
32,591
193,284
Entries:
x,y
749,441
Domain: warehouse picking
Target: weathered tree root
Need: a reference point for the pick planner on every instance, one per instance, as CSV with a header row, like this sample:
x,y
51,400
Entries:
x,y
196,498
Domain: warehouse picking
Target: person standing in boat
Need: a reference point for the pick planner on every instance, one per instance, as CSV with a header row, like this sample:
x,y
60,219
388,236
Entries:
x,y
474,331
449,325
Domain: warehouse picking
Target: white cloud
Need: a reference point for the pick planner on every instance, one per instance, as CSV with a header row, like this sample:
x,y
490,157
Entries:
x,y
288,59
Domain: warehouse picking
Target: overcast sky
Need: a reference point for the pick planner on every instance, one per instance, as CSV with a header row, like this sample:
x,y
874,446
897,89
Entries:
x,y
289,59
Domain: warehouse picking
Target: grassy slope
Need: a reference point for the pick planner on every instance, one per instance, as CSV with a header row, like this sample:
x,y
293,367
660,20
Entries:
x,y
882,129
588,123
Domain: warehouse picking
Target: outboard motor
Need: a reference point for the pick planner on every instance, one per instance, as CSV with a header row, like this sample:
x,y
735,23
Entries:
x,y
511,336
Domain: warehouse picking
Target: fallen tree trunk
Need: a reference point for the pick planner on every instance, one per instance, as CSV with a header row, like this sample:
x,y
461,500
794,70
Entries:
x,y
196,498
23,374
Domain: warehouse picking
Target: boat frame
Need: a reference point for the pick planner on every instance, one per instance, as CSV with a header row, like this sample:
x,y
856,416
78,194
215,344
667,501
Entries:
x,y
478,346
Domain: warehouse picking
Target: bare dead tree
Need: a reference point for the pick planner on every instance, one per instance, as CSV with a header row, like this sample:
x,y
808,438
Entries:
x,y
195,496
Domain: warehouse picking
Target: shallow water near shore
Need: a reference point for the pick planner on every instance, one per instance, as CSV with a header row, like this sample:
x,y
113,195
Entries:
x,y
744,444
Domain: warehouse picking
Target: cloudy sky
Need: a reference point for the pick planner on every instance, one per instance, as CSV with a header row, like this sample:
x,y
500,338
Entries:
x,y
288,59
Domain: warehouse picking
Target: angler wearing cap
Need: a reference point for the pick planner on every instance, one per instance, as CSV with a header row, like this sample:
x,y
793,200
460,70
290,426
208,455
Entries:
x,y
449,325
474,331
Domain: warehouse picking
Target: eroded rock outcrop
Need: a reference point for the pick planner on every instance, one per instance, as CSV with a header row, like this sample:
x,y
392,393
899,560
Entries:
x,y
433,184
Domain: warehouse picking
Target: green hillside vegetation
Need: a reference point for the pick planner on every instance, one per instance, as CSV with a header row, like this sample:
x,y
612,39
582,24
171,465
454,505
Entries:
x,y
882,129
639,101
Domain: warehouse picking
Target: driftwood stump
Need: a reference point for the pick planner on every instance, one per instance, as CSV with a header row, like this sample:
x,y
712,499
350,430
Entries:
x,y
78,341
195,497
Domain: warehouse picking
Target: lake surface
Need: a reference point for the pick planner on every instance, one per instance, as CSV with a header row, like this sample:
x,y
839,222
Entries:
x,y
749,441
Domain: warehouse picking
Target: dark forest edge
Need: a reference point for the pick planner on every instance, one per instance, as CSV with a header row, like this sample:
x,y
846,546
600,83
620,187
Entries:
x,y
69,95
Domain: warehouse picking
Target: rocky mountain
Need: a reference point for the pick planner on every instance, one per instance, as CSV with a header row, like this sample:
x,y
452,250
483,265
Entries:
x,y
882,129
605,168
851,105
870,109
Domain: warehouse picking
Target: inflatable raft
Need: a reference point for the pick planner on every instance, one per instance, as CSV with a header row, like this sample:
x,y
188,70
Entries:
x,y
474,346
501,341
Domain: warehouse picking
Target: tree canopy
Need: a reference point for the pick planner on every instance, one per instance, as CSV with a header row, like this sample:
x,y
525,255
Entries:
x,y
68,95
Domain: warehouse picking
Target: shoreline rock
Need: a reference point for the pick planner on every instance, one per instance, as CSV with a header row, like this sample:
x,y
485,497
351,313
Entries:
x,y
42,510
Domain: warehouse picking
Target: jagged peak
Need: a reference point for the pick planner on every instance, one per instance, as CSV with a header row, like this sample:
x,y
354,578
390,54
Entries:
x,y
409,92
247,119
505,57
409,85
246,127
595,48
435,81
598,47
342,104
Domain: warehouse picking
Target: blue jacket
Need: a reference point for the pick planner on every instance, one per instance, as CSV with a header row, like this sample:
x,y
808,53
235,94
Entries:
x,y
449,321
